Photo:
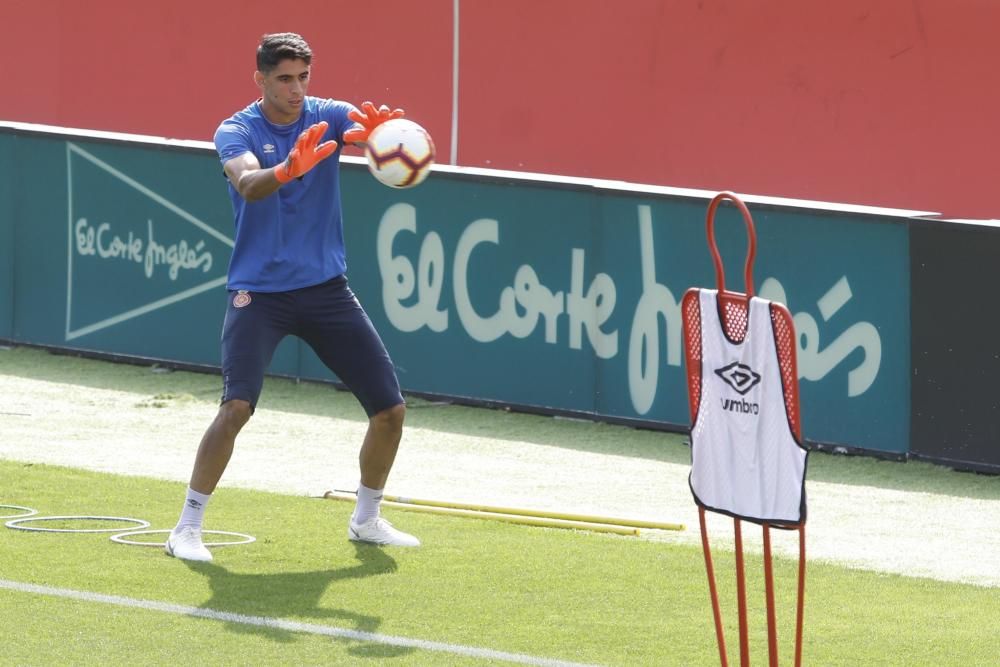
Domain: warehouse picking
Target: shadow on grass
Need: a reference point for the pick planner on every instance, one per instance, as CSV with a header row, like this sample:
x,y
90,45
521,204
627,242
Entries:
x,y
324,400
298,595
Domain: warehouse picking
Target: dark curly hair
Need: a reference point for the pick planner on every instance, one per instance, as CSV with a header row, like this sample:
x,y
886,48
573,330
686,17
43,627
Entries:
x,y
281,46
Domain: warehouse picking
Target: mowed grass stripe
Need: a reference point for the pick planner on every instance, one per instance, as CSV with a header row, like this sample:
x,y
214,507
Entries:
x,y
290,626
563,595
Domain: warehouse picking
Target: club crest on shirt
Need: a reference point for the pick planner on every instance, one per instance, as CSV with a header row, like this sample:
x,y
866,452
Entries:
x,y
241,299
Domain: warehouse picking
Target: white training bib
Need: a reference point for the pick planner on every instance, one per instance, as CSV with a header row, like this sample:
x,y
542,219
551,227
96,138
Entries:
x,y
745,458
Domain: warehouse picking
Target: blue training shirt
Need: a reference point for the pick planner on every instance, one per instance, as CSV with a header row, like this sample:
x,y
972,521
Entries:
x,y
294,237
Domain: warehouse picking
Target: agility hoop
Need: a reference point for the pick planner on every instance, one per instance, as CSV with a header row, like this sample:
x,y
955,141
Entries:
x,y
27,511
122,538
16,523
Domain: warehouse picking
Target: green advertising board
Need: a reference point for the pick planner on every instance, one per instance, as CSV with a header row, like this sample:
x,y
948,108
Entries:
x,y
552,296
121,249
569,299
7,212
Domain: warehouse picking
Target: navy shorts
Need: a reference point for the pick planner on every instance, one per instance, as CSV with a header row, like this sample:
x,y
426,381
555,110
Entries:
x,y
329,319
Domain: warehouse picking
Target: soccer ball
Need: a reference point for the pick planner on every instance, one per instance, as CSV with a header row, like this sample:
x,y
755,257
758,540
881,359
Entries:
x,y
400,153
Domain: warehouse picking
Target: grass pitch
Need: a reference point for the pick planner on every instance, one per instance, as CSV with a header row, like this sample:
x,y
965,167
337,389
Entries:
x,y
543,594
547,593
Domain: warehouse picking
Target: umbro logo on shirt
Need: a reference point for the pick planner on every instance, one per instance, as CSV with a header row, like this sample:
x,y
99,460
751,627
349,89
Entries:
x,y
268,148
739,376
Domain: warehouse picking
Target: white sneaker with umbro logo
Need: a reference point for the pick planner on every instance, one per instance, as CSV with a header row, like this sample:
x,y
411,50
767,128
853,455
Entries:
x,y
380,531
186,544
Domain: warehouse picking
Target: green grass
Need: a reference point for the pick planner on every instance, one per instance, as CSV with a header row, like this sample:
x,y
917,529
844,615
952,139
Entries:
x,y
549,593
158,390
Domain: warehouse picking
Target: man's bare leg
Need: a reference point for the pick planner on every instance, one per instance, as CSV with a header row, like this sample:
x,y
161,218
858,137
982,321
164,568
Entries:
x,y
216,446
378,452
213,456
380,446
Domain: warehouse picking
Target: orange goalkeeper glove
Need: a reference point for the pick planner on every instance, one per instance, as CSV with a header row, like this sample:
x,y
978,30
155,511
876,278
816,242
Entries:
x,y
369,118
306,154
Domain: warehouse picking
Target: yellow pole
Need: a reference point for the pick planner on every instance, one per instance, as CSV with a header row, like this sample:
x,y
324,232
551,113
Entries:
x,y
547,522
635,523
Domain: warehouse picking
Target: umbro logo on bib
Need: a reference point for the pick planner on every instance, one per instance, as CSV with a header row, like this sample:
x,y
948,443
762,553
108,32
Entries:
x,y
739,376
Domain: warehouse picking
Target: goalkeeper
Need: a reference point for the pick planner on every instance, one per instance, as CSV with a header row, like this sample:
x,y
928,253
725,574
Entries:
x,y
287,277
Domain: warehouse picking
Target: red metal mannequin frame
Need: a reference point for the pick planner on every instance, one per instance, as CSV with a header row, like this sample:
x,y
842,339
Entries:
x,y
736,304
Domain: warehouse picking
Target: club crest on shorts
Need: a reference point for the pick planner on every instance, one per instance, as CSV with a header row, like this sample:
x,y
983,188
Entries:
x,y
241,299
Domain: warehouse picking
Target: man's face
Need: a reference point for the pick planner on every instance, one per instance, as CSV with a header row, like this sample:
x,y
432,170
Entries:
x,y
284,90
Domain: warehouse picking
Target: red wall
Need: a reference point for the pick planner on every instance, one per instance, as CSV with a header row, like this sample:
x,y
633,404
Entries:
x,y
887,102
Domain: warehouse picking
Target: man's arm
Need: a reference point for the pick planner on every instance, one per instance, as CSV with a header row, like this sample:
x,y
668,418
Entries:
x,y
252,182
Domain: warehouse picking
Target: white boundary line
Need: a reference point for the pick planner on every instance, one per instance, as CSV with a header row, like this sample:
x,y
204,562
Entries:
x,y
292,626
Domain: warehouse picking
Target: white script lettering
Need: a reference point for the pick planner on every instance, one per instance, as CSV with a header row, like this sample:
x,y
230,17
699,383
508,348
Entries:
x,y
814,363
399,280
103,243
644,344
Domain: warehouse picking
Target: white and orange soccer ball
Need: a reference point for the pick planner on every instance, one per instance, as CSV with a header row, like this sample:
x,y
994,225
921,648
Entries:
x,y
400,153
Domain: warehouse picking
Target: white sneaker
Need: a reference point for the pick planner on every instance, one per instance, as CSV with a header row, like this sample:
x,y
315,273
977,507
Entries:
x,y
380,531
186,544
